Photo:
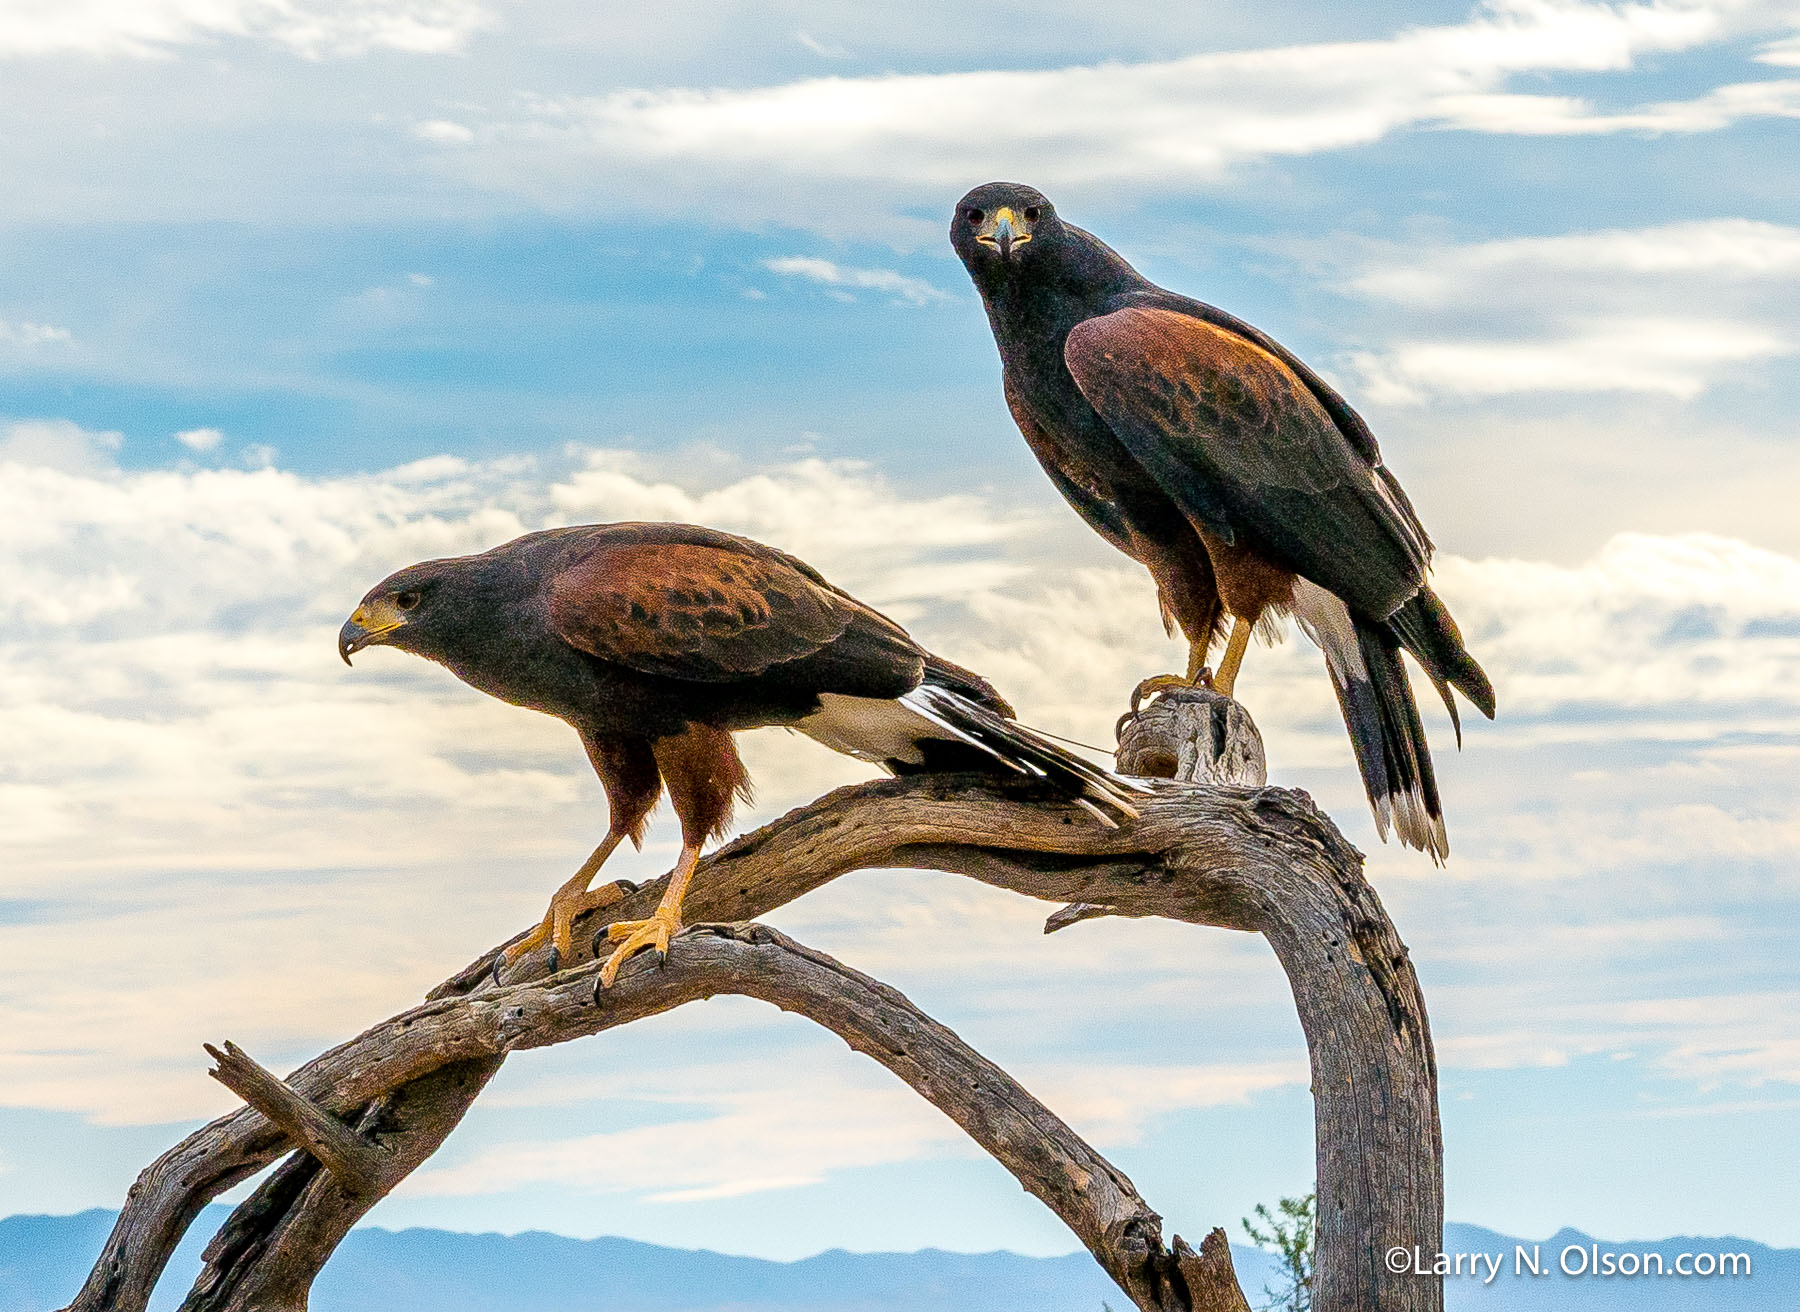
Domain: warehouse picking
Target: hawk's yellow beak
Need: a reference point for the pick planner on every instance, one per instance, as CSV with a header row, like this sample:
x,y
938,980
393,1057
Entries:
x,y
1003,230
368,625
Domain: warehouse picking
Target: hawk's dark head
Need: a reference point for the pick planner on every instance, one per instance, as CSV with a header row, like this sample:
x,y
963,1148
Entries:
x,y
413,609
1000,226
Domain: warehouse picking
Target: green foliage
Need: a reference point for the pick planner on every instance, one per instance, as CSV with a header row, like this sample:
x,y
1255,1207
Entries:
x,y
1289,1231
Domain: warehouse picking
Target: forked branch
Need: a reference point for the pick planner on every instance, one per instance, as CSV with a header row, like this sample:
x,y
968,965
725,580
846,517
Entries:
x,y
356,1162
1260,860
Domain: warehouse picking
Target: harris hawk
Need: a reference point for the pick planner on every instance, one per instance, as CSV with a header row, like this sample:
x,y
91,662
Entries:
x,y
656,642
1208,452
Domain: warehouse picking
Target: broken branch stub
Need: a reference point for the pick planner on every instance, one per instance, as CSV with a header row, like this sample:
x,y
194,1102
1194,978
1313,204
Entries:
x,y
1195,735
357,1163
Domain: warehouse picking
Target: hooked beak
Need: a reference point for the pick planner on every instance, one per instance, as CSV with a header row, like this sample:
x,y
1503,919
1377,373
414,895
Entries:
x,y
1003,231
368,626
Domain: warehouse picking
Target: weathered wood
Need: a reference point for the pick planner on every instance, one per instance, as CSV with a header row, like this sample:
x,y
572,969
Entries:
x,y
1259,860
1201,736
358,1165
268,1253
1195,735
1212,1282
1092,1197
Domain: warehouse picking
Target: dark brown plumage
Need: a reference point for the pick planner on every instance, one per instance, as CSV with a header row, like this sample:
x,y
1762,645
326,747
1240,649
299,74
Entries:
x,y
1247,487
657,642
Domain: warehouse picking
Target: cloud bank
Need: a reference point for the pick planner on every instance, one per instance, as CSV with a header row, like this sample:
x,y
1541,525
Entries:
x,y
310,28
1170,124
187,765
910,291
1670,311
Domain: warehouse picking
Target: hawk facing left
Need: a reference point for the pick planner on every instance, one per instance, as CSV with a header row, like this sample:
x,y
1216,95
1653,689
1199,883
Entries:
x,y
656,642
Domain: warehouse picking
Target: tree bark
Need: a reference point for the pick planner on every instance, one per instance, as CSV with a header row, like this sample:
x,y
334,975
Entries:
x,y
1254,859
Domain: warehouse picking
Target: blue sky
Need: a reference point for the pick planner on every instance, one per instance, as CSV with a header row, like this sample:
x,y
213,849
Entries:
x,y
292,295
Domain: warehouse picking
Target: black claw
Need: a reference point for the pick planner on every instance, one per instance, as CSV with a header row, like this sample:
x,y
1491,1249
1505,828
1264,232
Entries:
x,y
662,958
555,963
599,990
594,947
494,970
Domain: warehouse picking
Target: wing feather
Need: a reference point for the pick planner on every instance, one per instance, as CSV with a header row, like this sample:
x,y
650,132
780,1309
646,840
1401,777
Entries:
x,y
709,612
1246,447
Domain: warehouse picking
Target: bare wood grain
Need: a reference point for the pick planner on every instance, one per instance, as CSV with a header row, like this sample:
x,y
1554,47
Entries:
x,y
355,1162
1258,860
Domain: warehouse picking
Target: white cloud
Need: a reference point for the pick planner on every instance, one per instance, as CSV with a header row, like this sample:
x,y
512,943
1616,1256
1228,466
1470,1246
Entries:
x,y
311,28
443,132
752,1140
1737,1045
1115,1104
1670,310
30,334
823,49
1677,358
696,136
762,1133
45,444
1727,1037
913,291
200,439
841,515
1736,249
192,787
1649,621
1785,53
1161,124
1538,116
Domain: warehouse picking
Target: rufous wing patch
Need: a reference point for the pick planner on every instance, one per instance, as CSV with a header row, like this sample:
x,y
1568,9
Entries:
x,y
694,611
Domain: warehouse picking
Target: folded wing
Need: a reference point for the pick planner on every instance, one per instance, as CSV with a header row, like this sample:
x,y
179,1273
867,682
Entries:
x,y
723,611
1248,451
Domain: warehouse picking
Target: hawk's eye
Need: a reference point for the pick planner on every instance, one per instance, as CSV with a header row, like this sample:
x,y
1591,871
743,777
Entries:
x,y
1031,213
975,216
407,600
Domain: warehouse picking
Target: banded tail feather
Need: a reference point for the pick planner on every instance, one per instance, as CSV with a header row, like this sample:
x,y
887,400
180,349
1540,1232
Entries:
x,y
1369,677
1423,626
938,726
1412,802
1023,750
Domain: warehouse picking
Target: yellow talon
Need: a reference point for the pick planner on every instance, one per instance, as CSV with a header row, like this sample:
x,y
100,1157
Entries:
x,y
1165,683
532,940
634,936
664,922
1198,676
569,901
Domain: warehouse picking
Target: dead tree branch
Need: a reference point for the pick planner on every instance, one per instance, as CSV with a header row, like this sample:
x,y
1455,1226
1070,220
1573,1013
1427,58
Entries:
x,y
355,1161
1259,860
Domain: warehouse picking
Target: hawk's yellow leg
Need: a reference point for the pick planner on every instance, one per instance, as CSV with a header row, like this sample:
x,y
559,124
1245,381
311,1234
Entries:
x,y
1233,659
568,902
1197,674
635,935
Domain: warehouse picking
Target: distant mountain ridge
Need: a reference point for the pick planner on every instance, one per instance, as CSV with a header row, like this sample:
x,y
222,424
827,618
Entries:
x,y
43,1260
